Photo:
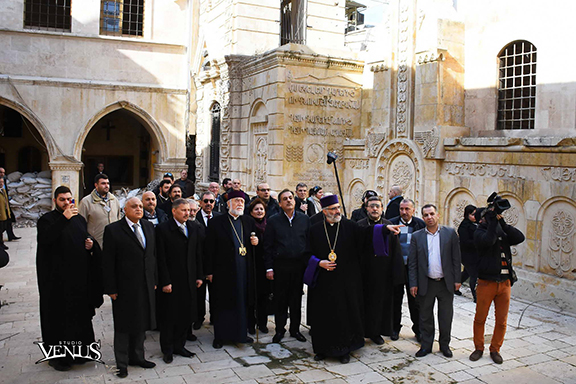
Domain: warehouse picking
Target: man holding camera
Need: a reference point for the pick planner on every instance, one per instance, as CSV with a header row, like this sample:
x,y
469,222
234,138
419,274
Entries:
x,y
493,239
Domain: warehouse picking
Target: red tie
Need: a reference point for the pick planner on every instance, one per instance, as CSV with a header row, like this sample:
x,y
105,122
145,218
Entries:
x,y
209,217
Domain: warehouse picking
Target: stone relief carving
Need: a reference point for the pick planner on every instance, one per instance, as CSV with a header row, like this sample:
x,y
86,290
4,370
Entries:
x,y
559,174
402,175
458,212
404,152
464,169
261,173
314,153
359,163
428,140
560,246
402,89
294,153
511,216
373,141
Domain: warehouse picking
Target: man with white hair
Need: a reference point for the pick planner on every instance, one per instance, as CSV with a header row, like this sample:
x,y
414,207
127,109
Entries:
x,y
230,268
393,208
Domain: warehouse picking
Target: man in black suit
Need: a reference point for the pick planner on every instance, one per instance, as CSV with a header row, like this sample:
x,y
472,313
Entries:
x,y
434,274
393,207
180,273
175,192
230,268
151,213
207,203
220,203
129,271
263,192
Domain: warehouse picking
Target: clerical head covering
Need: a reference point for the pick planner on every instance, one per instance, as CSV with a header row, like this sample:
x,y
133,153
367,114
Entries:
x,y
368,194
329,200
234,194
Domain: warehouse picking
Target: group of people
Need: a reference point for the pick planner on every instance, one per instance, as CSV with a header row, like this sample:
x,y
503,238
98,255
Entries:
x,y
158,261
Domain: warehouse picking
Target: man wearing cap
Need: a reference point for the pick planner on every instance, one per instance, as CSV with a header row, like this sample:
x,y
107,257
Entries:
x,y
167,176
230,268
362,213
383,268
335,284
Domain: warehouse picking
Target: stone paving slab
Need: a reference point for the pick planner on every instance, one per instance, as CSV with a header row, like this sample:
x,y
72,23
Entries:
x,y
541,350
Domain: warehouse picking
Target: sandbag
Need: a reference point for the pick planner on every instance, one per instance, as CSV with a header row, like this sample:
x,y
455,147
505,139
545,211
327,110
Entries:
x,y
42,180
45,174
29,175
24,189
29,180
14,176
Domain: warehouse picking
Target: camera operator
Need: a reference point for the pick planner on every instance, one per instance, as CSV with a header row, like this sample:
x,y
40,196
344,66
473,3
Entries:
x,y
493,239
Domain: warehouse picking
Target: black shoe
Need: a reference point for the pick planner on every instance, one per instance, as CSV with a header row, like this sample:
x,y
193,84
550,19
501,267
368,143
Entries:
x,y
249,340
217,344
184,353
277,337
422,352
319,357
59,365
252,330
168,358
496,357
394,336
197,325
377,340
3,246
145,364
14,238
298,336
446,351
191,337
458,293
345,359
122,372
263,329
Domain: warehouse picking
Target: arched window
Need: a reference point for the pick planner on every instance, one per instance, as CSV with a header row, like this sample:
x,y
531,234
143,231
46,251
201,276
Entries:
x,y
214,174
517,86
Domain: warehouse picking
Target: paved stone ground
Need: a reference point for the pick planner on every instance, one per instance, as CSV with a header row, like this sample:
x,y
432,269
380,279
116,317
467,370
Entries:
x,y
542,350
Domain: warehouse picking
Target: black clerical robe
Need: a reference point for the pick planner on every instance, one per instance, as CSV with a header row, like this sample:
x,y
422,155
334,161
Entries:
x,y
233,287
69,279
380,275
335,301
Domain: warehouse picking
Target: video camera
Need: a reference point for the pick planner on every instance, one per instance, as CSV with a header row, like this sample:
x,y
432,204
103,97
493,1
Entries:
x,y
497,203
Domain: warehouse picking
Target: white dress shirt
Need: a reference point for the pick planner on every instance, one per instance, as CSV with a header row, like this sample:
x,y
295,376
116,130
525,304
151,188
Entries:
x,y
434,259
140,231
205,217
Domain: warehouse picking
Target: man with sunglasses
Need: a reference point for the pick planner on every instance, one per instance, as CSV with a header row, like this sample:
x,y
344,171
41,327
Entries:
x,y
203,218
272,206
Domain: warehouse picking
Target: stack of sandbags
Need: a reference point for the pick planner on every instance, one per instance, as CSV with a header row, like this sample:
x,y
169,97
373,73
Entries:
x,y
125,193
30,196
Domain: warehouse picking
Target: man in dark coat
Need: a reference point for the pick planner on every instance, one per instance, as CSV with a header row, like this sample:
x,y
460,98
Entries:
x,y
151,213
185,184
362,212
68,264
335,295
393,207
203,218
383,269
263,192
180,273
434,274
410,224
230,269
175,192
130,278
220,202
301,197
284,259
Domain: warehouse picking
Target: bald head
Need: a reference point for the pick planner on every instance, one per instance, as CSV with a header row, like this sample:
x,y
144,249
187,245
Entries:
x,y
396,190
134,209
236,184
149,201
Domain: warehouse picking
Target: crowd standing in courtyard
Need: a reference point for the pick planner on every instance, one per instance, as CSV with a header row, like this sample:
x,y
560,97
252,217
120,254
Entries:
x,y
158,261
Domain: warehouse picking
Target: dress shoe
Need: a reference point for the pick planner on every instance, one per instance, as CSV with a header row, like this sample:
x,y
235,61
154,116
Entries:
x,y
458,293
345,359
298,336
184,353
217,344
319,357
277,337
122,372
191,337
394,336
446,352
249,340
422,352
14,238
144,364
3,246
377,340
197,325
263,329
168,358
252,330
496,357
476,355
59,365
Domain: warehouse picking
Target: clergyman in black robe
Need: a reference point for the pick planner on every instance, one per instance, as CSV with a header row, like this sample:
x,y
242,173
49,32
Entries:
x,y
335,292
382,270
68,265
230,268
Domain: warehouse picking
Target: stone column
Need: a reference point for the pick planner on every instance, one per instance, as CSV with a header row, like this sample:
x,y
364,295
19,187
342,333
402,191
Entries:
x,y
67,173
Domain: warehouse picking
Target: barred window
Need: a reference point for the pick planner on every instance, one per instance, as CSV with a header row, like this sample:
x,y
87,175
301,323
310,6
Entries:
x,y
214,172
122,17
293,22
47,14
517,86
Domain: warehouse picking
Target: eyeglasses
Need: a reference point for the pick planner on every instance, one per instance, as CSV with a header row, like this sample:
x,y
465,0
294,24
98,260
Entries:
x,y
206,201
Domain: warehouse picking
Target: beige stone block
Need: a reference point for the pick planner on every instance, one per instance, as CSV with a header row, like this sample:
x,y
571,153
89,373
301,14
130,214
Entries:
x,y
426,94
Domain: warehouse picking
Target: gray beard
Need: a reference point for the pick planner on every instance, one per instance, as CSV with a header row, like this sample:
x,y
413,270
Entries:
x,y
238,212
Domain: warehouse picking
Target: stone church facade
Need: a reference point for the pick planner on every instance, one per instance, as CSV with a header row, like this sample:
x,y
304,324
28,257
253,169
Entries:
x,y
452,100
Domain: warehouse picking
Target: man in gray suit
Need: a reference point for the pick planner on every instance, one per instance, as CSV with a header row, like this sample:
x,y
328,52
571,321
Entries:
x,y
434,273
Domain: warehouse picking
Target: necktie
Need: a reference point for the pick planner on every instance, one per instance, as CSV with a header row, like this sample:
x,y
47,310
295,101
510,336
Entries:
x,y
182,230
138,235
